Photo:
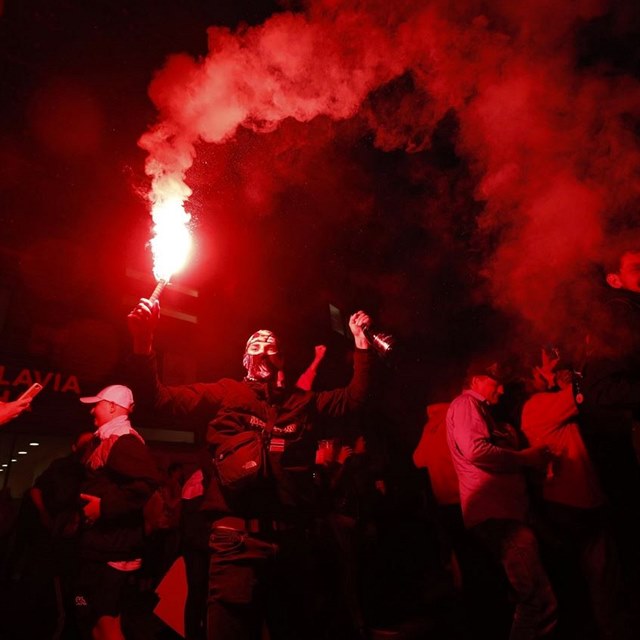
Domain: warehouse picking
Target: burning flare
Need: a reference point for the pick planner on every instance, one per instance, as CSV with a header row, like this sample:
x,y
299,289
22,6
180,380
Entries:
x,y
171,243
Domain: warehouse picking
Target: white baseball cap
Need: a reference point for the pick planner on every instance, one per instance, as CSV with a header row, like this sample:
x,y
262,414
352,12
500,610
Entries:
x,y
116,393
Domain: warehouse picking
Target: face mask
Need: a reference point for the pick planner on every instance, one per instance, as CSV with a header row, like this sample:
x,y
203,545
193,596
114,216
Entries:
x,y
261,357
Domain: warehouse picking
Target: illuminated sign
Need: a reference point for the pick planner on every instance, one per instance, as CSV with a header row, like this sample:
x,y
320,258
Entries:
x,y
50,380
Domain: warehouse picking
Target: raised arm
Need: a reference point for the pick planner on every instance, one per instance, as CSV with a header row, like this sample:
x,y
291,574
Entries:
x,y
357,323
142,322
178,401
338,402
305,381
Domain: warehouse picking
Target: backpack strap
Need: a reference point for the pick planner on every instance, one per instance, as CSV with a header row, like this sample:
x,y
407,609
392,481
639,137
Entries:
x,y
272,445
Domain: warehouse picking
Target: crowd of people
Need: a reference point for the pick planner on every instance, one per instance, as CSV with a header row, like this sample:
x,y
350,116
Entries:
x,y
290,529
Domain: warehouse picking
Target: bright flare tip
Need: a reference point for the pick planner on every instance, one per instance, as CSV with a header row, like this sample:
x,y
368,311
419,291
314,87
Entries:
x,y
171,243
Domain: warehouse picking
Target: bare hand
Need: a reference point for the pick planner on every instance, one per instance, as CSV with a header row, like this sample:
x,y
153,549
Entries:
x,y
142,322
11,410
91,509
537,457
320,350
548,363
323,456
357,322
344,455
564,378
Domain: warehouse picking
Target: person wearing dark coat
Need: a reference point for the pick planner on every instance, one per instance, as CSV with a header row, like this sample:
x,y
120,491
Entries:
x,y
608,396
121,476
260,501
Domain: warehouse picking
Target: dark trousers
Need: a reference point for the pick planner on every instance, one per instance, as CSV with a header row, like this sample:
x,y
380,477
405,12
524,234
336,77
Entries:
x,y
196,562
514,544
482,583
584,536
261,578
345,546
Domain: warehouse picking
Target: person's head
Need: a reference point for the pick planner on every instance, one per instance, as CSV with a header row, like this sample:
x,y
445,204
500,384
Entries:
x,y
626,274
552,370
175,472
620,259
112,402
485,379
262,358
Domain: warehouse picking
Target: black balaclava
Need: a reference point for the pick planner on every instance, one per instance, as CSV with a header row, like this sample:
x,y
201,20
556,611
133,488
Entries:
x,y
262,358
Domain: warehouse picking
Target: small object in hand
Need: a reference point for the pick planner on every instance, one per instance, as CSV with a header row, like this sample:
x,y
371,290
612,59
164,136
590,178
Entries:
x,y
31,392
550,474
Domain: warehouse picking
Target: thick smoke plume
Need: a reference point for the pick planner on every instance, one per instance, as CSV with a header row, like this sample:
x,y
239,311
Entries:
x,y
550,141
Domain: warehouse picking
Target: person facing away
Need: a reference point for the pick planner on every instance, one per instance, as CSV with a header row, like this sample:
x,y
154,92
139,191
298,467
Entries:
x,y
194,539
490,465
121,477
572,501
261,565
44,555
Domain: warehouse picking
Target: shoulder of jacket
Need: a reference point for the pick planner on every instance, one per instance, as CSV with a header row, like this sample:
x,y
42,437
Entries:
x,y
463,398
622,302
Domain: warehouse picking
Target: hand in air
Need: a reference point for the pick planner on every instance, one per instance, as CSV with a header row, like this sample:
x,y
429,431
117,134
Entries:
x,y
91,508
357,322
142,321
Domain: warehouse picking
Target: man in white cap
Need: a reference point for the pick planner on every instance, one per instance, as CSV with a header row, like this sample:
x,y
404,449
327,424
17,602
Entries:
x,y
121,476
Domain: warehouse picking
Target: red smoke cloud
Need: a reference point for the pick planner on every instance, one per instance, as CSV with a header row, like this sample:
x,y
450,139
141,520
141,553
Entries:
x,y
548,142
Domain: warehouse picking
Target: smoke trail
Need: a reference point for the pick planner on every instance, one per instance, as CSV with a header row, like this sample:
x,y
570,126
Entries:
x,y
550,143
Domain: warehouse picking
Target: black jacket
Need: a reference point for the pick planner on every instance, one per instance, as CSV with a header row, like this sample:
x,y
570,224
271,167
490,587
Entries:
x,y
228,407
610,390
124,485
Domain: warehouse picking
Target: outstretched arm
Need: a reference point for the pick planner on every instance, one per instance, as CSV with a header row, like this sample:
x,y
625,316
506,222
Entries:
x,y
142,322
11,410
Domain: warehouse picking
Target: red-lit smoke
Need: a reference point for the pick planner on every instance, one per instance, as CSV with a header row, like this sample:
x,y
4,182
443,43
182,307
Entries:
x,y
548,141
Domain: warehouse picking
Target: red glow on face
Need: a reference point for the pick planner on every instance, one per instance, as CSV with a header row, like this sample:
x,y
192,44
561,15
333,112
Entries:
x,y
628,276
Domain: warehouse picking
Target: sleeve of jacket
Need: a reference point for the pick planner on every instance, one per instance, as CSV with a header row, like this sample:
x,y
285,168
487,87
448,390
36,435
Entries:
x,y
134,476
470,435
178,401
611,377
609,383
339,402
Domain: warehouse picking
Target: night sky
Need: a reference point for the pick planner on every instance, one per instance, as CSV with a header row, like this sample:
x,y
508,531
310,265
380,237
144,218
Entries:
x,y
453,168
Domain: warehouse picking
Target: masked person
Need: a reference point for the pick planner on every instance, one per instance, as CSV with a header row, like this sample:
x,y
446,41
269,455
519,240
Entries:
x,y
260,501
